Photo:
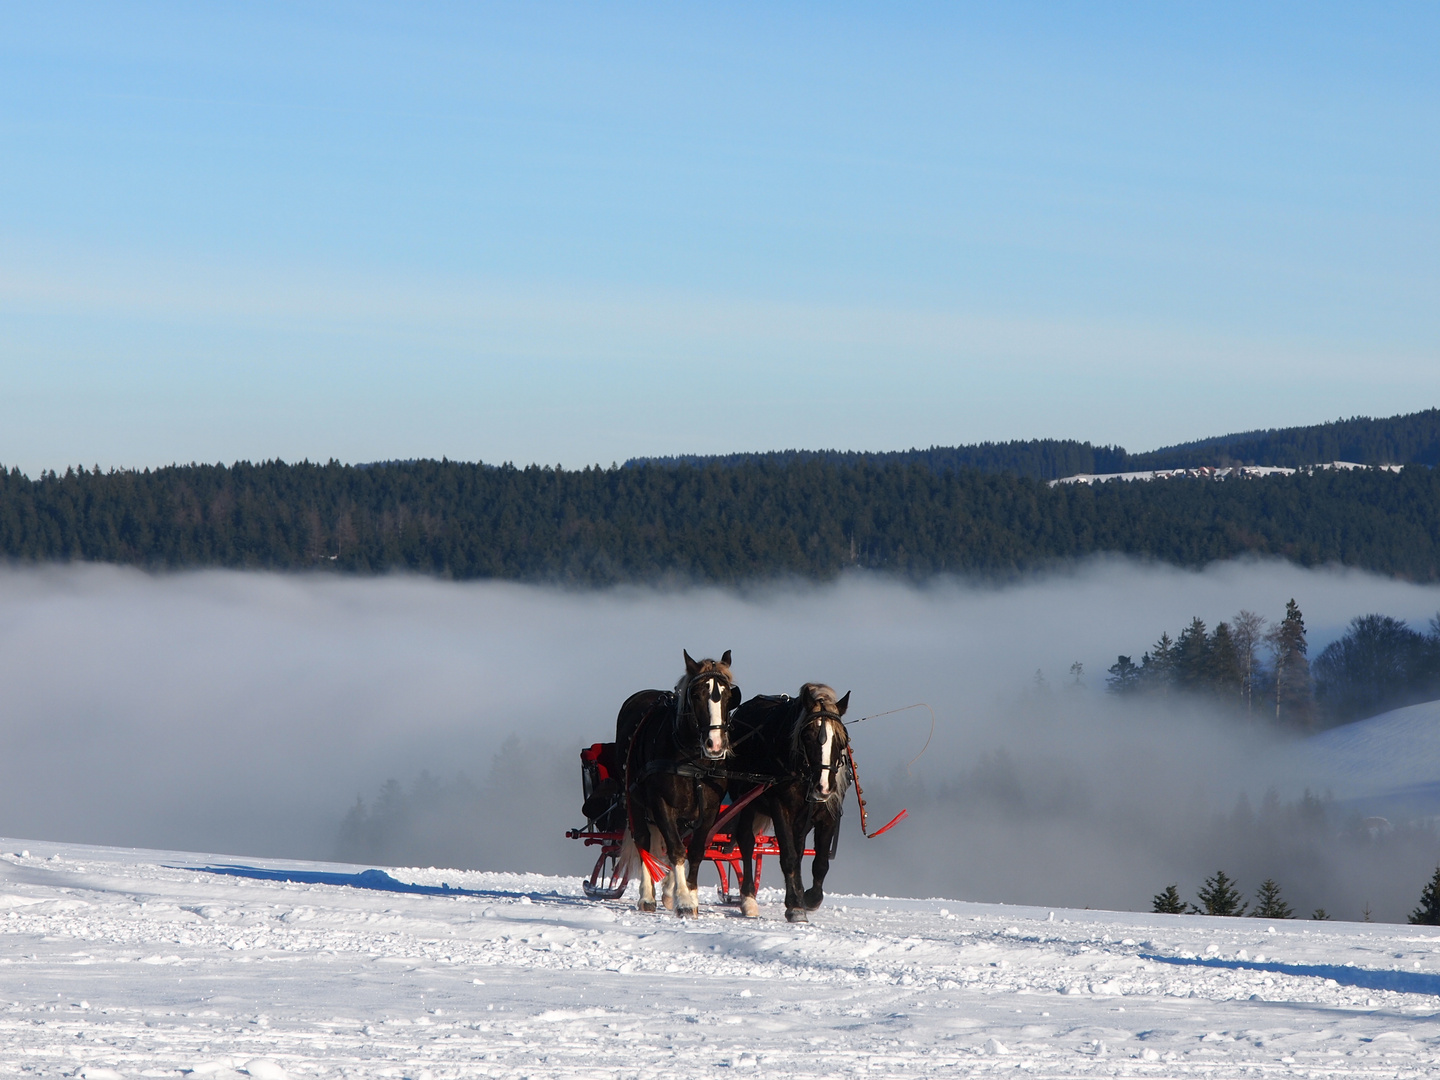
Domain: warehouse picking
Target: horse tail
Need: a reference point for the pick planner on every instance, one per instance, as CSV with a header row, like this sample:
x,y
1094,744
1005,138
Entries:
x,y
629,855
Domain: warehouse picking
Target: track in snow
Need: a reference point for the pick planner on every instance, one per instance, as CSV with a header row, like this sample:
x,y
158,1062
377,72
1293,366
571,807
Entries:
x,y
137,963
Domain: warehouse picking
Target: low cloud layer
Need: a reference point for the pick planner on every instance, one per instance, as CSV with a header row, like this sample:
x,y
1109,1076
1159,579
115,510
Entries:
x,y
245,713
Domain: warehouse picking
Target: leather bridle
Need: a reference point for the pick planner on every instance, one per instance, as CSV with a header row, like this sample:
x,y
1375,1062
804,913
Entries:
x,y
801,763
684,707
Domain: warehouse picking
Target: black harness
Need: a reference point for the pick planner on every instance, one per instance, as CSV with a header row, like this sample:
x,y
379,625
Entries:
x,y
702,770
706,771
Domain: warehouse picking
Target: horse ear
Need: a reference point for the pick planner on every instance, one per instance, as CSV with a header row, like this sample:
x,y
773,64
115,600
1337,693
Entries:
x,y
726,658
843,703
690,665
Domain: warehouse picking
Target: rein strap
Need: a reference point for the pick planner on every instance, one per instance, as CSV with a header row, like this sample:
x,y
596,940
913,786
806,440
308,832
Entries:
x,y
860,798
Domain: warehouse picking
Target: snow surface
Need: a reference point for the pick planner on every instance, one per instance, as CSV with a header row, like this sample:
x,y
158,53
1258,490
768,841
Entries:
x,y
1211,472
123,962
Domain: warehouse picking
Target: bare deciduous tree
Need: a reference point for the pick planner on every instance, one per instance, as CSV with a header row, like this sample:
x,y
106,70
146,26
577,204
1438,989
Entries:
x,y
1247,630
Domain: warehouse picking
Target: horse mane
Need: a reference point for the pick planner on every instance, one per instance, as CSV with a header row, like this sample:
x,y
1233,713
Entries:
x,y
814,693
705,667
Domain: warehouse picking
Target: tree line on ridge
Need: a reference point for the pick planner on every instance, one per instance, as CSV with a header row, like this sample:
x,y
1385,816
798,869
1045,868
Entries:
x,y
810,518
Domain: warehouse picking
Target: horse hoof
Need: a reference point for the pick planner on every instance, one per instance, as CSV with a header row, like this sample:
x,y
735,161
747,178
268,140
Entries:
x,y
813,900
795,915
647,906
749,908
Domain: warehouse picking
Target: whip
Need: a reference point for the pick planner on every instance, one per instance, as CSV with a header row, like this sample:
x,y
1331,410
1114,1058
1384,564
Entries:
x,y
905,708
855,772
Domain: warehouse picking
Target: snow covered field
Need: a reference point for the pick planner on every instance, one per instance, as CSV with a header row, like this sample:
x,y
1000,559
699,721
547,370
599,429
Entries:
x,y
142,963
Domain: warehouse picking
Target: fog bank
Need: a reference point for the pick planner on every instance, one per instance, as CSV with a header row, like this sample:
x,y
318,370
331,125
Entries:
x,y
245,713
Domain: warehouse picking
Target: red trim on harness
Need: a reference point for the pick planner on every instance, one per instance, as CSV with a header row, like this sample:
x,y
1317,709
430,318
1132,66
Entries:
x,y
860,798
658,870
901,816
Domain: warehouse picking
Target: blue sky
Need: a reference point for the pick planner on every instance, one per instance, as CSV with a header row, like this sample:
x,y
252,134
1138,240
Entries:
x,y
577,234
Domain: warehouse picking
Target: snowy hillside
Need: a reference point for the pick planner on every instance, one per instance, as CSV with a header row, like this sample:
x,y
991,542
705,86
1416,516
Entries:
x,y
1390,763
140,963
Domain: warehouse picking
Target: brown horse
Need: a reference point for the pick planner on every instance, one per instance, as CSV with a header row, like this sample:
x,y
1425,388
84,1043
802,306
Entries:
x,y
802,741
673,746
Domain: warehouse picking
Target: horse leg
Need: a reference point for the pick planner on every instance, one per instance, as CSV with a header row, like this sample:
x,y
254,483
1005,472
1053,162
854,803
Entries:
x,y
825,829
691,879
677,894
667,885
699,844
791,842
665,836
686,901
749,826
646,900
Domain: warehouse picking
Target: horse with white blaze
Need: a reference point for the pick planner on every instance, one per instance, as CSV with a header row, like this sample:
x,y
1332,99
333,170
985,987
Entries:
x,y
673,747
803,743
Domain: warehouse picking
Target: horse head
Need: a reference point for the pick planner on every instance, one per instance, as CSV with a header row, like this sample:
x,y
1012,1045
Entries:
x,y
819,742
705,697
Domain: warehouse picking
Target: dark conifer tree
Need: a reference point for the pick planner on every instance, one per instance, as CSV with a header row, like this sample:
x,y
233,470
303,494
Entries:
x,y
1293,705
1222,667
1428,913
1168,902
1269,904
1192,653
1123,677
1157,669
1320,915
1219,896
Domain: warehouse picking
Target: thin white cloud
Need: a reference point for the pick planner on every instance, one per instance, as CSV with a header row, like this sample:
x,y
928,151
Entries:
x,y
585,326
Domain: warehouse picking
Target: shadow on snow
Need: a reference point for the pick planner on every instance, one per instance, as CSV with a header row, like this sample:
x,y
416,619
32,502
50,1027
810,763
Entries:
x,y
365,879
1404,982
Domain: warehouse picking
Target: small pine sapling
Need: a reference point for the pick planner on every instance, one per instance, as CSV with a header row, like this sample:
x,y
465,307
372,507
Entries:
x,y
1320,915
1269,904
1169,902
1428,913
1219,896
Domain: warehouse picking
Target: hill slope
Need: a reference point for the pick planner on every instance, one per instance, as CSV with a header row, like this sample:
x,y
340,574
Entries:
x,y
1387,765
122,962
1413,439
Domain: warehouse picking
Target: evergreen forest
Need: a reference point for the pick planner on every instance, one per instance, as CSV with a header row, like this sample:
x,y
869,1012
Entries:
x,y
813,518
1263,672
